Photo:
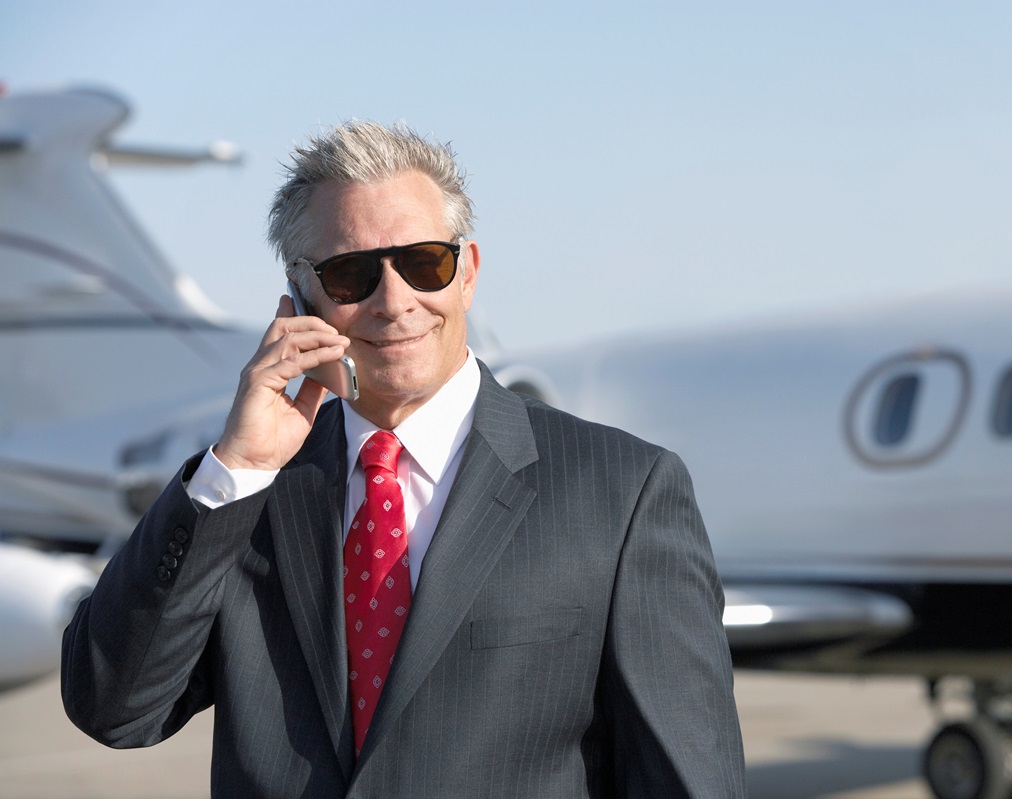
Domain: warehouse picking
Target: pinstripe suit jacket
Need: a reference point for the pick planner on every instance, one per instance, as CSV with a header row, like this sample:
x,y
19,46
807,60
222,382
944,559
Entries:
x,y
564,639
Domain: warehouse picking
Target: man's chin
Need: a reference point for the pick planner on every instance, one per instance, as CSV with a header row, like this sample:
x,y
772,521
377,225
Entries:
x,y
391,386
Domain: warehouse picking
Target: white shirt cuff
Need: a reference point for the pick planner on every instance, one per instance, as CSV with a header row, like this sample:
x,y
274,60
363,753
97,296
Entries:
x,y
214,484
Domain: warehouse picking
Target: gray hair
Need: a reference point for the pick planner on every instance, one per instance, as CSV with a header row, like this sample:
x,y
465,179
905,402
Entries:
x,y
362,152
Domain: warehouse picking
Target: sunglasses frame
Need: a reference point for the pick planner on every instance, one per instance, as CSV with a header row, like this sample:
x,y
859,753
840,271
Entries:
x,y
377,257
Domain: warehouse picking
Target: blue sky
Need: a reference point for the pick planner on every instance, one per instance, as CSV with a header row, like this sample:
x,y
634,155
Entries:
x,y
635,167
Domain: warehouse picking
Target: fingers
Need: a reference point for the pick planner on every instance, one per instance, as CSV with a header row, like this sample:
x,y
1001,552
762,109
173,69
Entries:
x,y
306,349
286,320
291,346
266,427
297,333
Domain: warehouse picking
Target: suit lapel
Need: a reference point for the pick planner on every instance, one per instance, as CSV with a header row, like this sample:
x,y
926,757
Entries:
x,y
307,538
484,508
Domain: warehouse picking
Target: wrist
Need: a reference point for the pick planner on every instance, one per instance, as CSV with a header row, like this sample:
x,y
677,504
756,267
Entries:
x,y
232,461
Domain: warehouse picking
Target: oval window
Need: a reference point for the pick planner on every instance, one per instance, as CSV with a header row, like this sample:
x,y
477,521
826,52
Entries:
x,y
905,410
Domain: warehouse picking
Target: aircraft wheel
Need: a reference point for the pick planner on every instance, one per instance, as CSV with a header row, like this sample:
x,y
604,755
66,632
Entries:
x,y
966,760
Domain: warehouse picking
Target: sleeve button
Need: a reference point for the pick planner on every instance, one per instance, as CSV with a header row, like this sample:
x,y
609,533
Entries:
x,y
169,562
181,535
175,549
162,573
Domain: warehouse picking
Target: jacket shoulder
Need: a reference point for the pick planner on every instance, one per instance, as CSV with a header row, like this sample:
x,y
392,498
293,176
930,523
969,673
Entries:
x,y
552,421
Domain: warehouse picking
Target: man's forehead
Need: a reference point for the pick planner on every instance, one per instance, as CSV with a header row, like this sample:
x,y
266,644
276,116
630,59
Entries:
x,y
365,215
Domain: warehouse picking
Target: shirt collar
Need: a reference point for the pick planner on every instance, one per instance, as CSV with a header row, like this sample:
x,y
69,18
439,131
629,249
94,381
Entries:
x,y
433,433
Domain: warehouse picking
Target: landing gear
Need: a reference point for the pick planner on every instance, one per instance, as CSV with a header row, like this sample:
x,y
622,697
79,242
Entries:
x,y
972,759
966,760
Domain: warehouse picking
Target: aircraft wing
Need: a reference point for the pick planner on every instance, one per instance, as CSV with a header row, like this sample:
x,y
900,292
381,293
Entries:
x,y
222,152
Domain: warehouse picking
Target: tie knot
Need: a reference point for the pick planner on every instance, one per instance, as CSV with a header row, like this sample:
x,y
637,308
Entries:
x,y
381,450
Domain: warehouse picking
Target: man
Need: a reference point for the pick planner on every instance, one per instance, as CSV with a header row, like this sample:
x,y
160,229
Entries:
x,y
550,628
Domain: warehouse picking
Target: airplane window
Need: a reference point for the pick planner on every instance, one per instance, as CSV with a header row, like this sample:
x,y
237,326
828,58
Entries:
x,y
907,408
895,410
1002,419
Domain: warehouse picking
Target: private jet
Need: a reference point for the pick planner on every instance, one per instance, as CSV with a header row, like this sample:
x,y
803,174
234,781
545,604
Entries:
x,y
854,469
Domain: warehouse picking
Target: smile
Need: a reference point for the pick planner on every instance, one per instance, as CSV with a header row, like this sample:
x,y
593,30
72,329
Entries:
x,y
395,343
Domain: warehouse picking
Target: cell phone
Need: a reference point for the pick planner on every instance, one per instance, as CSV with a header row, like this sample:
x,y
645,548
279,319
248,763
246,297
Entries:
x,y
339,377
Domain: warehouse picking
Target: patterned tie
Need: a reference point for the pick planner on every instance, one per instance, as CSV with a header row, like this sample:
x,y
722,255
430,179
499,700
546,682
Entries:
x,y
377,581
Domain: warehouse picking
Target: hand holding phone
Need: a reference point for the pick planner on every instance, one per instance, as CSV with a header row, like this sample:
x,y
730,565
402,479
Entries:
x,y
339,377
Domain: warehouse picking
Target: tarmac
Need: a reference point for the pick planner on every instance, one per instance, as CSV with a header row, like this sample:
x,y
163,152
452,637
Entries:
x,y
806,737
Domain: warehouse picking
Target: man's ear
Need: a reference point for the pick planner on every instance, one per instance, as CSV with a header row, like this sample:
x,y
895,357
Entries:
x,y
304,280
471,258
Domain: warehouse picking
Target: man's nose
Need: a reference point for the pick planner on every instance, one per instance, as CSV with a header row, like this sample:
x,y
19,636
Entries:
x,y
393,296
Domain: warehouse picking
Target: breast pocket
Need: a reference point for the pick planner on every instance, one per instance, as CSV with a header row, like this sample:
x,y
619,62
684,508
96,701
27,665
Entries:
x,y
517,631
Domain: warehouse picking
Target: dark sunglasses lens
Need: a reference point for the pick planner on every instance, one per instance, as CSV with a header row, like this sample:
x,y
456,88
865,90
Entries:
x,y
352,278
428,267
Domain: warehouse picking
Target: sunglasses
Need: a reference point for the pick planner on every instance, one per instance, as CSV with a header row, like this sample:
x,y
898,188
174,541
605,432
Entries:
x,y
353,276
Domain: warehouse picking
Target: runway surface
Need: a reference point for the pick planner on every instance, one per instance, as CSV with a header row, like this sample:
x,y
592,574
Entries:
x,y
805,738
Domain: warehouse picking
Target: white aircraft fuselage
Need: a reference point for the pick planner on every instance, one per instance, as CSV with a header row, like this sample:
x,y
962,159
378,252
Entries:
x,y
869,450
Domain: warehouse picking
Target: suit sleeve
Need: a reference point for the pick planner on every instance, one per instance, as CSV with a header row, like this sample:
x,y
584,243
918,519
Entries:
x,y
135,662
667,683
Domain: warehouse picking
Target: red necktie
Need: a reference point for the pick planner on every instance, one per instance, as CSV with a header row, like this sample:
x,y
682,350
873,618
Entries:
x,y
377,581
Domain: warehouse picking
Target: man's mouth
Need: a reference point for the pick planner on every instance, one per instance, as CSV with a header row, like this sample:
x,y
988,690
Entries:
x,y
394,342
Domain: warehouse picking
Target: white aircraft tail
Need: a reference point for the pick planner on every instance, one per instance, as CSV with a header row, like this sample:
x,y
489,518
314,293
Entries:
x,y
73,261
98,335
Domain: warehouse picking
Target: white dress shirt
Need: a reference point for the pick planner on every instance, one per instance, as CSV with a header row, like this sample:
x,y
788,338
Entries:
x,y
433,438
